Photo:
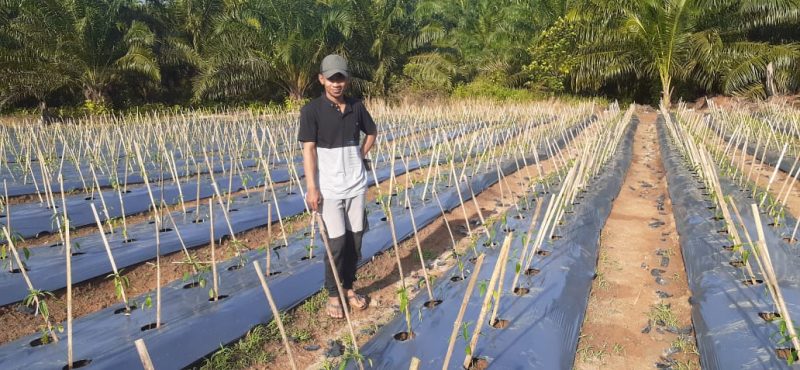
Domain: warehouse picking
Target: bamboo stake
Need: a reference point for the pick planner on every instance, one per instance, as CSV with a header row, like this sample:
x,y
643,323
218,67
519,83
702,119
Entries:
x,y
144,356
762,245
419,250
486,302
462,310
499,292
276,315
29,284
110,256
214,274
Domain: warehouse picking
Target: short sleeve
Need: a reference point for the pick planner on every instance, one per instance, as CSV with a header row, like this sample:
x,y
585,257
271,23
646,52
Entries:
x,y
367,124
308,126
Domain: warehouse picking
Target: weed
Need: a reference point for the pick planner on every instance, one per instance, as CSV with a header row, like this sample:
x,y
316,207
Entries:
x,y
662,313
685,344
313,305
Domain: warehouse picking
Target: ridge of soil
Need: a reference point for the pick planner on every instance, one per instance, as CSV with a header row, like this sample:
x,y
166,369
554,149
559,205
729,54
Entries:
x,y
628,325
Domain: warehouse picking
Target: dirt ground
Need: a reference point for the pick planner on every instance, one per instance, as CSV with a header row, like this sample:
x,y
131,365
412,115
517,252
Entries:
x,y
639,314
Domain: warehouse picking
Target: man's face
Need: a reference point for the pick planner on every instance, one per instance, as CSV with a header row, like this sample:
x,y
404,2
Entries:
x,y
335,85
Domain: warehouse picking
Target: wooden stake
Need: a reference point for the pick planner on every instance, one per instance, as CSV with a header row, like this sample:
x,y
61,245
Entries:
x,y
462,310
486,301
276,315
144,356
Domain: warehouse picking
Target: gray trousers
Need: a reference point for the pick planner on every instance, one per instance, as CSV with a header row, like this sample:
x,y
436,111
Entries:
x,y
345,223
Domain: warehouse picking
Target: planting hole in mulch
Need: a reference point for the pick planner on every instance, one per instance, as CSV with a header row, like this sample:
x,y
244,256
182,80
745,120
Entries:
x,y
125,311
492,244
219,298
233,210
737,263
17,270
403,336
290,193
478,364
520,291
234,267
191,285
556,237
198,221
752,281
88,198
789,240
433,303
165,230
728,248
273,273
722,231
542,253
59,244
78,364
39,342
786,353
500,324
304,258
279,247
532,272
307,234
150,222
129,240
78,253
456,278
520,217
769,316
383,218
472,260
150,326
508,229
42,234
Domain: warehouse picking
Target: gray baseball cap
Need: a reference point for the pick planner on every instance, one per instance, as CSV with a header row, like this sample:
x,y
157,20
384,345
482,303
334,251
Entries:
x,y
333,64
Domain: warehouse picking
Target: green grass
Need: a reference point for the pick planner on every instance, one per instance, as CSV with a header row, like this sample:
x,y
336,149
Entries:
x,y
663,312
249,350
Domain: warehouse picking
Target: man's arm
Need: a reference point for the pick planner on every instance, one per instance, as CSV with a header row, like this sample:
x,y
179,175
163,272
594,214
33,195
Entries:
x,y
313,196
369,141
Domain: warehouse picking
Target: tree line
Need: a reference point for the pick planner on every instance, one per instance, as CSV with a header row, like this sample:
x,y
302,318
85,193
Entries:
x,y
106,54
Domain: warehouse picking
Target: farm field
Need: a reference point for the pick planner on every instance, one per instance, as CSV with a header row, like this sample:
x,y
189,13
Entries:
x,y
548,235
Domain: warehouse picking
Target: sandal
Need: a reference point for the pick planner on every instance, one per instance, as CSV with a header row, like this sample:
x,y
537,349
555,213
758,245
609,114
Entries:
x,y
335,310
357,301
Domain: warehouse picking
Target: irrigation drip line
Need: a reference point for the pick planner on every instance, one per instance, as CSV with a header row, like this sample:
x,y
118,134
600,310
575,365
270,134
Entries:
x,y
193,326
725,311
544,324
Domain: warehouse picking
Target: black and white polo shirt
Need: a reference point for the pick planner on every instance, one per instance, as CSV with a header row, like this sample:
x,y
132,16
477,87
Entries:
x,y
340,169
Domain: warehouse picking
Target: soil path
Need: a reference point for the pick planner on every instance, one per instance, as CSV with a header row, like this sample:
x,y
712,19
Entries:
x,y
639,314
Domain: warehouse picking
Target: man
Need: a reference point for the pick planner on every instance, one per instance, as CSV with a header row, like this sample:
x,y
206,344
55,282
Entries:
x,y
336,179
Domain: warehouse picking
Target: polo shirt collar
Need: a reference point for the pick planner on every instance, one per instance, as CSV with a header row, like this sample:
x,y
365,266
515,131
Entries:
x,y
348,104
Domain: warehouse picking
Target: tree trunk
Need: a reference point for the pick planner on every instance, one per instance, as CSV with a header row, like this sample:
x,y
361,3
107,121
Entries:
x,y
666,86
770,80
45,116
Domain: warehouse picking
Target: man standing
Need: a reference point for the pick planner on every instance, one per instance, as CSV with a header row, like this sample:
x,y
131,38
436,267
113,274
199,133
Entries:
x,y
336,179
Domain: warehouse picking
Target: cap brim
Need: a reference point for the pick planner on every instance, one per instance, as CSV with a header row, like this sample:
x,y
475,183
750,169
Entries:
x,y
330,73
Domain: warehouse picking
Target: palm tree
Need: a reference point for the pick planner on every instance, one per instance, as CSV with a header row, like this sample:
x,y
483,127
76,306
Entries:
x,y
279,43
677,40
77,45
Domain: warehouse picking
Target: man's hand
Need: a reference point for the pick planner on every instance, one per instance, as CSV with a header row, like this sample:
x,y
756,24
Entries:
x,y
313,199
